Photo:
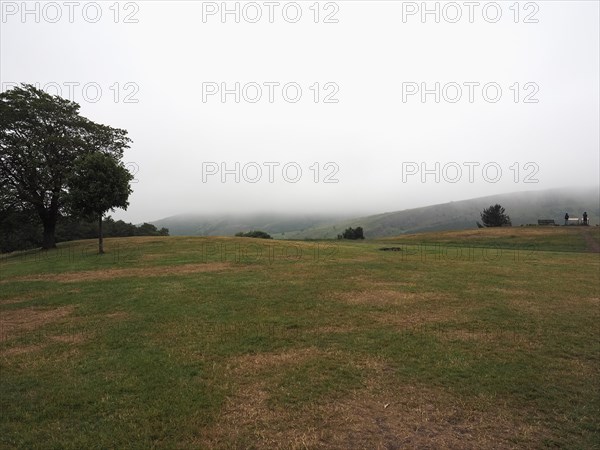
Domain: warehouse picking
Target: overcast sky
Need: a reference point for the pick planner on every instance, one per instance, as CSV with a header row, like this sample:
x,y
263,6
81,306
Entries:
x,y
518,92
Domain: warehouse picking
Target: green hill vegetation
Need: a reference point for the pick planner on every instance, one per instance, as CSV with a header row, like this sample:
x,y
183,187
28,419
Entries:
x,y
523,207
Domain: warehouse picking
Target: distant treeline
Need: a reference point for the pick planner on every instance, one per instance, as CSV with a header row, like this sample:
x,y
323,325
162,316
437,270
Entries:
x,y
254,234
22,230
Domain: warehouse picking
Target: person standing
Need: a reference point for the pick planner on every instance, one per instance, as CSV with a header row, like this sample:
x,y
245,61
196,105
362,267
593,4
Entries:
x,y
585,218
566,218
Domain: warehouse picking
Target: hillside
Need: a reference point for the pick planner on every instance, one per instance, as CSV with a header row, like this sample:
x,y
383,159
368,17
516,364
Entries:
x,y
230,224
523,208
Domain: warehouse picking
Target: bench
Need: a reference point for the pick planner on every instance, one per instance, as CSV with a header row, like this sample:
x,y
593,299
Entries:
x,y
546,222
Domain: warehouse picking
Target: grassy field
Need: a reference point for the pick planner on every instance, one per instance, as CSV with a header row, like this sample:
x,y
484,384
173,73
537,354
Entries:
x,y
480,339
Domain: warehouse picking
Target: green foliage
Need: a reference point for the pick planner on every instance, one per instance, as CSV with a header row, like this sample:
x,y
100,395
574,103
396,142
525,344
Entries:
x,y
147,229
495,216
20,230
41,137
98,184
254,234
352,233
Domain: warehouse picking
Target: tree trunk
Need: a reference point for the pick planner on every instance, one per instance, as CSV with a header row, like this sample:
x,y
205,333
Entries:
x,y
49,240
48,216
100,237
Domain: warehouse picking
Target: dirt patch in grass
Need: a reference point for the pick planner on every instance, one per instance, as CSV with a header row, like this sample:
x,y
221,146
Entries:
x,y
141,272
17,321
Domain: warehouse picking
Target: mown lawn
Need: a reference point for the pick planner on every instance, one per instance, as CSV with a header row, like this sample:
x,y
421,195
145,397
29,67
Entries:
x,y
238,343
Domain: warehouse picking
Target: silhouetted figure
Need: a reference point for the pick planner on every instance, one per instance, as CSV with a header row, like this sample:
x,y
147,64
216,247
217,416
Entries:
x,y
585,222
566,218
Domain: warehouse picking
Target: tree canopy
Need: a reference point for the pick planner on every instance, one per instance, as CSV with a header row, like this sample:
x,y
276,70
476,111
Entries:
x,y
254,234
352,233
98,184
41,137
495,216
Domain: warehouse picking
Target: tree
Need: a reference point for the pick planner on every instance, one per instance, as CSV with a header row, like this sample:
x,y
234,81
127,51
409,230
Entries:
x,y
358,233
352,233
254,234
495,216
147,229
98,184
41,136
19,230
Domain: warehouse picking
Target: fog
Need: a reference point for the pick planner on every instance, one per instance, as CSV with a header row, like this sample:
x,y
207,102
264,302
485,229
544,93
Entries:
x,y
345,107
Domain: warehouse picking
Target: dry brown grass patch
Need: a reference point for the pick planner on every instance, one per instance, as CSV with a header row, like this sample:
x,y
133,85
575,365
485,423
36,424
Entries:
x,y
332,329
20,350
247,418
502,338
359,258
19,299
513,292
140,272
117,315
405,310
392,284
247,421
383,297
592,300
415,320
26,319
417,417
75,338
63,339
379,415
253,363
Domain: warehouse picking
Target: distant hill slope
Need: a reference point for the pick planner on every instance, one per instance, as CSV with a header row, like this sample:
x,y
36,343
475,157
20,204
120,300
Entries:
x,y
523,208
229,225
